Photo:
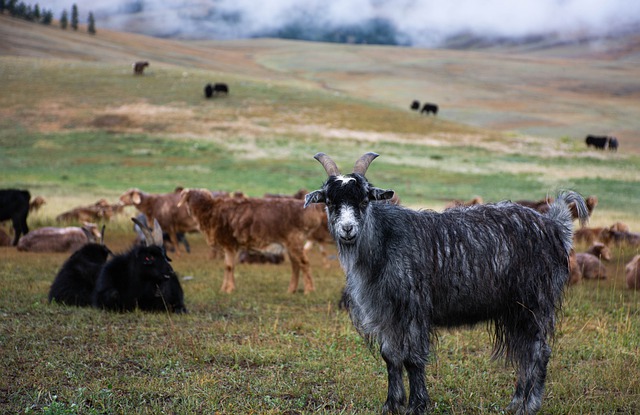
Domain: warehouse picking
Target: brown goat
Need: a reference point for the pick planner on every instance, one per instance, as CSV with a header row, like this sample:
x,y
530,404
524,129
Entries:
x,y
36,203
611,237
586,235
172,218
633,273
52,239
235,223
575,274
99,211
600,251
590,266
456,202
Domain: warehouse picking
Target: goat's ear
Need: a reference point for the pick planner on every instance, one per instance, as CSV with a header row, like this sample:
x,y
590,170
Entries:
x,y
316,196
135,197
379,194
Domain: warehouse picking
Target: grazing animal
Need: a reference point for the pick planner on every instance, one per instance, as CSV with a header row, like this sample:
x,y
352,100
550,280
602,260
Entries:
x,y
600,251
612,143
138,67
14,206
140,278
415,105
632,271
575,274
587,235
76,280
272,255
458,203
208,91
235,223
52,239
611,237
591,267
409,272
101,210
597,141
429,108
220,88
164,207
37,203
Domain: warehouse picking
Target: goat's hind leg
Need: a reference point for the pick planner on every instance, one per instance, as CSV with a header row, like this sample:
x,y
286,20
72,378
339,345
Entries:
x,y
418,395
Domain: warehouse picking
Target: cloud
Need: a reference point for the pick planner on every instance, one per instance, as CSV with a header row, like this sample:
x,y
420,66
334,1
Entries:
x,y
417,22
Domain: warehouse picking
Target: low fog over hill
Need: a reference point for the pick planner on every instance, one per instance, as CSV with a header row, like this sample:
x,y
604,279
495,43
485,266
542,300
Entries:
x,y
421,23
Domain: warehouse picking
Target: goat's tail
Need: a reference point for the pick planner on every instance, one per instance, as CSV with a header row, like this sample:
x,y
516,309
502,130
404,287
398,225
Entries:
x,y
561,211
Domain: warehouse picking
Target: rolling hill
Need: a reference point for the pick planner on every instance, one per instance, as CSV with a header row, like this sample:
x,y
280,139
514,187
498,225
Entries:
x,y
555,91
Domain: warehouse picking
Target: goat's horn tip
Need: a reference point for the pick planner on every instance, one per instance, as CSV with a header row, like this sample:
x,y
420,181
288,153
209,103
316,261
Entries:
x,y
319,155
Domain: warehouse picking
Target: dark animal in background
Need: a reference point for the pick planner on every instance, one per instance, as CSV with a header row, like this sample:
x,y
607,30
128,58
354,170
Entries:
x,y
208,91
138,67
76,280
14,206
415,105
141,277
220,88
429,108
597,141
409,272
613,143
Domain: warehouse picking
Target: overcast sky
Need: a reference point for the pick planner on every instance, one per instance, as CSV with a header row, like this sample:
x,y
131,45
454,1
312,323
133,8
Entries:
x,y
423,22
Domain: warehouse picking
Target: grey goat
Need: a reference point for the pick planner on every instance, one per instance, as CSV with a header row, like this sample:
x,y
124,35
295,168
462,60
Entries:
x,y
409,272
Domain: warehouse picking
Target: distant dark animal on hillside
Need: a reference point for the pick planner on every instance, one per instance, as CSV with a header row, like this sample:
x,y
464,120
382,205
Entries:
x,y
428,107
14,206
141,277
602,141
138,67
208,91
76,280
415,105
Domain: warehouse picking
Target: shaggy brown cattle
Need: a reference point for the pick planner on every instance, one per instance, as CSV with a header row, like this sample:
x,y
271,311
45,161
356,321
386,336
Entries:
x,y
102,210
235,223
633,273
587,235
173,219
138,67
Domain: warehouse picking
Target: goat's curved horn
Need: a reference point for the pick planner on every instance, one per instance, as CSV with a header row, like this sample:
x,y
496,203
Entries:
x,y
363,162
148,235
329,165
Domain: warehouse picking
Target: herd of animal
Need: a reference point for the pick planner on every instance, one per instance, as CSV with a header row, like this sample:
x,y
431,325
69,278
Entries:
x,y
408,272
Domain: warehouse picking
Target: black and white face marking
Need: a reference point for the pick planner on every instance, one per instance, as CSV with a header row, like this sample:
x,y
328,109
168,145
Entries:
x,y
347,200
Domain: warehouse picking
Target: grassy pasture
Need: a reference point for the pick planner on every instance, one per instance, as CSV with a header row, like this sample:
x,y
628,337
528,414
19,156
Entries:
x,y
88,129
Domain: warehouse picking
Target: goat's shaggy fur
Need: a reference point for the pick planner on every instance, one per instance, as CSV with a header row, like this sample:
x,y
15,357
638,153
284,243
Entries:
x,y
76,280
141,277
409,272
234,223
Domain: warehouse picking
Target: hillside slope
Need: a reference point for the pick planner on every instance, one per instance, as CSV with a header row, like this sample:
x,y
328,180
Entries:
x,y
511,90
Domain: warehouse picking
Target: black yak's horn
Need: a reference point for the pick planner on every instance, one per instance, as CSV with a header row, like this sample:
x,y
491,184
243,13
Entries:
x,y
363,162
328,164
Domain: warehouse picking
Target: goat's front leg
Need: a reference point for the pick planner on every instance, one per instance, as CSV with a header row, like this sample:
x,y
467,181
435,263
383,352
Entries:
x,y
418,395
395,394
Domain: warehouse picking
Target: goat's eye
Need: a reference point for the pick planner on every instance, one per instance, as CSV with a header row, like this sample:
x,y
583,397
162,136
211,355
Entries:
x,y
363,204
148,259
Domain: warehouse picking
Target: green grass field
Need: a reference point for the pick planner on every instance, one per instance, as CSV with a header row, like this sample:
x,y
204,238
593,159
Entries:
x,y
76,130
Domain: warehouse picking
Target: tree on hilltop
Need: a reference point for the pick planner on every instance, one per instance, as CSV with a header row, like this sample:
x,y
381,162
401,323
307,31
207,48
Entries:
x,y
91,28
74,17
64,20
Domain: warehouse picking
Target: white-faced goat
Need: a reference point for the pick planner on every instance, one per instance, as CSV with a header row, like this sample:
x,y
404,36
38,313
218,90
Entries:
x,y
141,277
409,272
76,280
